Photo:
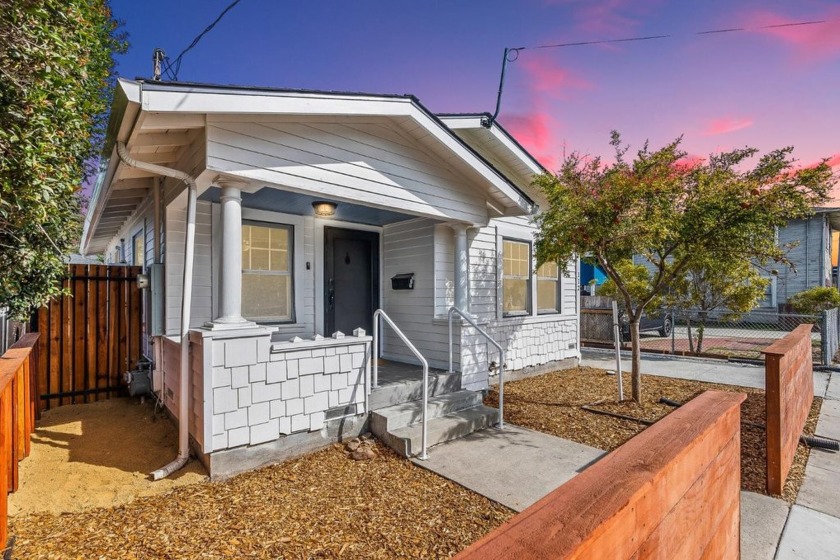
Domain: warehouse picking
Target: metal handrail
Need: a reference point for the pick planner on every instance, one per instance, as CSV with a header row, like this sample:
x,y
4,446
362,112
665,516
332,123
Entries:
x,y
376,315
468,319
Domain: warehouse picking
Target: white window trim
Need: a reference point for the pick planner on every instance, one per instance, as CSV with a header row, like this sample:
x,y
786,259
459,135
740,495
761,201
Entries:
x,y
291,273
530,303
298,257
526,235
558,288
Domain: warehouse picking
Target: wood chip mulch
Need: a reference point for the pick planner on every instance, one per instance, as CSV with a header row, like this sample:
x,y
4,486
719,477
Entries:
x,y
323,505
551,403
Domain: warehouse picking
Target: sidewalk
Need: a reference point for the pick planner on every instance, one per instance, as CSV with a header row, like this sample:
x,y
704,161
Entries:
x,y
808,530
698,369
813,526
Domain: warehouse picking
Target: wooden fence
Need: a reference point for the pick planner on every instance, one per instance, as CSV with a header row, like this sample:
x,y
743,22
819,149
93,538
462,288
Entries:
x,y
789,382
673,491
91,337
18,412
596,320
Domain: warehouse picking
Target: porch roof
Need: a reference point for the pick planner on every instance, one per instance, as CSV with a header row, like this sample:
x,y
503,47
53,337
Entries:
x,y
166,122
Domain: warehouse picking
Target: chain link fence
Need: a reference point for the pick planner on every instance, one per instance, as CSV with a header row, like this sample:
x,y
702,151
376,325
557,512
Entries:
x,y
714,334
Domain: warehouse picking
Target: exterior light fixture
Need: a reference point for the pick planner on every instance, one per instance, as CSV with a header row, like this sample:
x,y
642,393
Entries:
x,y
323,208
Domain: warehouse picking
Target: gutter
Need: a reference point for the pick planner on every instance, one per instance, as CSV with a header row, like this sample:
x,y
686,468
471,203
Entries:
x,y
186,307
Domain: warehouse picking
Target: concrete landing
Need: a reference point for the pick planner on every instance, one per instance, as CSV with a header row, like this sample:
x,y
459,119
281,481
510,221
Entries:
x,y
809,535
762,521
515,466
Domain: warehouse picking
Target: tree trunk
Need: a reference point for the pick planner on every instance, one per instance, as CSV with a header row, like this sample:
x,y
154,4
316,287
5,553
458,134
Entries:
x,y
690,339
700,329
636,361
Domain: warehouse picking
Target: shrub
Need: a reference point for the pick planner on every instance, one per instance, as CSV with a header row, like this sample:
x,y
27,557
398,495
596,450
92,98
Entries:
x,y
815,300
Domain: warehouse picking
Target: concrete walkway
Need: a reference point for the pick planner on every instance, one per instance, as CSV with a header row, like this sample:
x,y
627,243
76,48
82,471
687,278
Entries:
x,y
698,369
515,466
813,526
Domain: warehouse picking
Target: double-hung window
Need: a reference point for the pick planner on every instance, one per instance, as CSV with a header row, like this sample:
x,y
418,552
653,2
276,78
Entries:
x,y
267,272
516,277
548,288
138,249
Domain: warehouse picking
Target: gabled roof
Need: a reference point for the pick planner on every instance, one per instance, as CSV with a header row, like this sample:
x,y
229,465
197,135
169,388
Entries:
x,y
501,172
498,146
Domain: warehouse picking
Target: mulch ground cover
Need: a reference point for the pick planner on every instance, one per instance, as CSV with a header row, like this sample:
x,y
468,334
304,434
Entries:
x,y
551,403
323,505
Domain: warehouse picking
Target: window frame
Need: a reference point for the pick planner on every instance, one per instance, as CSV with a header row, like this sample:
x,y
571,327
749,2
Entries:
x,y
557,291
528,312
265,320
134,260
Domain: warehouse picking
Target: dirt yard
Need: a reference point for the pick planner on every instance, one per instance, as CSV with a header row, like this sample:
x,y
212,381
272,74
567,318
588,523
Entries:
x,y
98,455
552,403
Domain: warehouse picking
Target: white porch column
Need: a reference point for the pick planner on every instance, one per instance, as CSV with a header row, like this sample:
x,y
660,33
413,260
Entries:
x,y
230,261
462,273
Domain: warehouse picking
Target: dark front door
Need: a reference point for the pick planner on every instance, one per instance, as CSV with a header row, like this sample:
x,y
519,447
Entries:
x,y
351,279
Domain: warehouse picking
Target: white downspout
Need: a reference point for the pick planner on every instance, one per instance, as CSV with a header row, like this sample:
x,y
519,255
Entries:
x,y
186,305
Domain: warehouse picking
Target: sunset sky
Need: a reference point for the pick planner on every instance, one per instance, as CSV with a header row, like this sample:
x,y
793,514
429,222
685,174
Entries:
x,y
765,87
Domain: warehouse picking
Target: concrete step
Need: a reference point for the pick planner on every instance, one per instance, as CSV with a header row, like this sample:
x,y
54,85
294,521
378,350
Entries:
x,y
400,415
407,440
406,391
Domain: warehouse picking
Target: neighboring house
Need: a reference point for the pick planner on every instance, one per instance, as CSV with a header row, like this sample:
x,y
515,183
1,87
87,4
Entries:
x,y
591,277
811,257
313,210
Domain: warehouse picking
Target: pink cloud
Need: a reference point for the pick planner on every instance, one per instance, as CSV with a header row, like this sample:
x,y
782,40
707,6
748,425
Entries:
x,y
545,76
607,17
534,131
726,125
689,161
809,42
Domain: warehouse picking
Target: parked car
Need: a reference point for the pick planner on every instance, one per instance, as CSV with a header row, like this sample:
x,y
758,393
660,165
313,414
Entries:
x,y
659,321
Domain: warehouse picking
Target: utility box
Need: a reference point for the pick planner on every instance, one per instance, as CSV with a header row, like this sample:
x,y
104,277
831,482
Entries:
x,y
157,295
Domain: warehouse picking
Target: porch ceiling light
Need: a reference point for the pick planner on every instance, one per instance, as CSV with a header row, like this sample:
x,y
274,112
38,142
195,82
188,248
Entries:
x,y
323,208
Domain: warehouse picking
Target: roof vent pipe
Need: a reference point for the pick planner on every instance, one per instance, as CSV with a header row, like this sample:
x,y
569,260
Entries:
x,y
186,307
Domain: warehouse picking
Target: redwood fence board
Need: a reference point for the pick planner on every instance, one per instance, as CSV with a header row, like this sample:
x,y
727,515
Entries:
x,y
672,491
90,337
789,382
17,411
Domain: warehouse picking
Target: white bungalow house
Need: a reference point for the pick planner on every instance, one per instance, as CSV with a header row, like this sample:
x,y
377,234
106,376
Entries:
x,y
304,212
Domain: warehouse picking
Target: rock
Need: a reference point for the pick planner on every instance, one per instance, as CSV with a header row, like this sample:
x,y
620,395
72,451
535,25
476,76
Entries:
x,y
363,454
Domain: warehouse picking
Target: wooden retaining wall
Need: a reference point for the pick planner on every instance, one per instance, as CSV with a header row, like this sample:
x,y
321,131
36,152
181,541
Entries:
x,y
789,382
18,412
673,491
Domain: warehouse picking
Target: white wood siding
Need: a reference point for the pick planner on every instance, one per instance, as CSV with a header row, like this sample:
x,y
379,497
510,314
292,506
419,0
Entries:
x,y
410,247
363,163
529,340
202,301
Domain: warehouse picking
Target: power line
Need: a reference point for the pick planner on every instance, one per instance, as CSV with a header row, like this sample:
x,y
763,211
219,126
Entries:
x,y
512,53
173,67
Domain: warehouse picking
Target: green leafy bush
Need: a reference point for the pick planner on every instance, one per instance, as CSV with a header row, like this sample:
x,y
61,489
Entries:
x,y
815,300
56,79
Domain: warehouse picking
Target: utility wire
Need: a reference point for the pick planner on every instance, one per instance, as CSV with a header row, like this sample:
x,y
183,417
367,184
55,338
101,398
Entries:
x,y
173,67
669,36
512,53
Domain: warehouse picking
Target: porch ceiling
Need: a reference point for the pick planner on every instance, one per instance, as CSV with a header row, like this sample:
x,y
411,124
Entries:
x,y
275,200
